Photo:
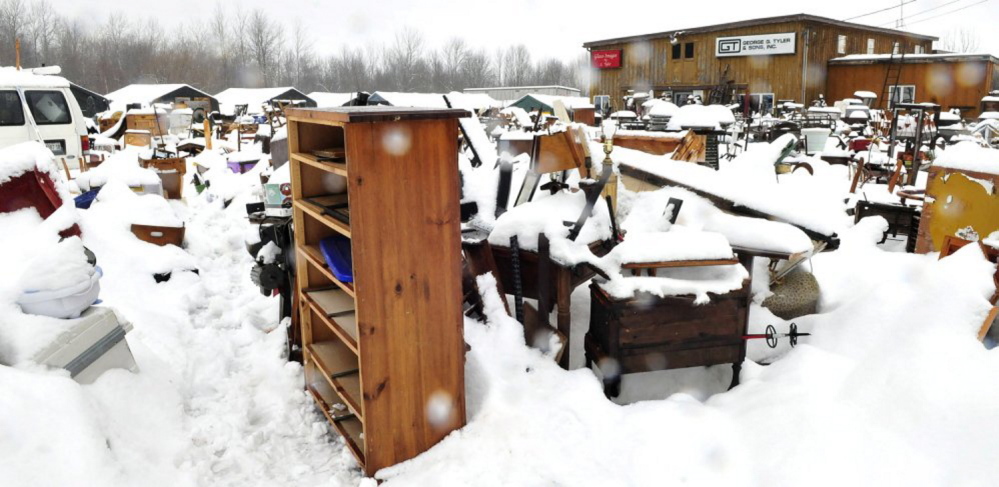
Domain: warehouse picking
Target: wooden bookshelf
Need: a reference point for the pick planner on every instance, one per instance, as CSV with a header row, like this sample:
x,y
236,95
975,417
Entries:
x,y
378,351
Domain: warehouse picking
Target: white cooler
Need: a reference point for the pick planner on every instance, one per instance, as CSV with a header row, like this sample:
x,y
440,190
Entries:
x,y
95,344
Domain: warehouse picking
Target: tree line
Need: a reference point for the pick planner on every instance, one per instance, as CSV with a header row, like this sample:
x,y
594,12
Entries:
x,y
243,48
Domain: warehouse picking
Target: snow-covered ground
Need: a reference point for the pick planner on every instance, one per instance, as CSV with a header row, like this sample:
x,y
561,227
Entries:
x,y
891,388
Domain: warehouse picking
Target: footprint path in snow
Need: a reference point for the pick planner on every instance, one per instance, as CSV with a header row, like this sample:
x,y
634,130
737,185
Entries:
x,y
250,420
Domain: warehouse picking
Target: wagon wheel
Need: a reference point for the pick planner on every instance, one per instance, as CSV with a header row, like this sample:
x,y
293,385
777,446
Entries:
x,y
803,165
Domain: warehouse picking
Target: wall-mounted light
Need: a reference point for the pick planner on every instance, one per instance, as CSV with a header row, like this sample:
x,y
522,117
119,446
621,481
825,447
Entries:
x,y
674,39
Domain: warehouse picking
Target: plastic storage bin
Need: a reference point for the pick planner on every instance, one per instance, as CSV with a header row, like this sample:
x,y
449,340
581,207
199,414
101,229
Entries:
x,y
91,347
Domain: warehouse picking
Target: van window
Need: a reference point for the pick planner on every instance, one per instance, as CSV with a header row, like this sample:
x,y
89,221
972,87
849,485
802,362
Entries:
x,y
11,110
48,107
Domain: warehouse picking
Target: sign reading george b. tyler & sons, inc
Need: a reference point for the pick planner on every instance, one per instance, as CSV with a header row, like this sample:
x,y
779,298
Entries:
x,y
760,45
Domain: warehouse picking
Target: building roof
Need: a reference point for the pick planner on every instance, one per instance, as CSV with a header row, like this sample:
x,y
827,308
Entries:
x,y
253,98
914,58
467,90
756,22
139,93
571,102
326,99
397,99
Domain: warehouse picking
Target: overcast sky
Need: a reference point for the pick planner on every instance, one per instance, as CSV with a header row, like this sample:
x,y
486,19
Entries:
x,y
549,27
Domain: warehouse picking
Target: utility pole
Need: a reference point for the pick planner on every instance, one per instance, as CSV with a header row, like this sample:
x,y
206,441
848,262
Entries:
x,y
901,14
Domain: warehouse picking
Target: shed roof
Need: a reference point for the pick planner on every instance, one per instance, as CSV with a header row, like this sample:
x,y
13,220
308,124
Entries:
x,y
255,98
325,99
756,22
397,99
143,93
571,102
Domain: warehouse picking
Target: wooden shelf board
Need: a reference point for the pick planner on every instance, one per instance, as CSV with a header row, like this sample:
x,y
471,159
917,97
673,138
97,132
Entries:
x,y
311,160
679,263
350,429
341,115
333,357
312,210
315,257
344,326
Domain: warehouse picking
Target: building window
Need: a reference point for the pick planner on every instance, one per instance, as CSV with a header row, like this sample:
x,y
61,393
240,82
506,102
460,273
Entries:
x,y
758,103
902,94
896,48
841,45
919,49
676,51
870,46
688,50
602,103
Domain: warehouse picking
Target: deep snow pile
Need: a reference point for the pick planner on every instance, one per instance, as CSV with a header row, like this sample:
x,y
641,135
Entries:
x,y
893,388
215,401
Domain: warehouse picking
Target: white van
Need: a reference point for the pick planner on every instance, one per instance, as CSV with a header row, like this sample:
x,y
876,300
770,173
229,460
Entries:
x,y
41,107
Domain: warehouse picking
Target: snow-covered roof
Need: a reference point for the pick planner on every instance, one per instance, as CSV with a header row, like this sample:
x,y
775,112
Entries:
x,y
397,99
325,99
472,101
969,156
571,102
864,94
253,98
948,57
10,76
145,94
701,116
990,99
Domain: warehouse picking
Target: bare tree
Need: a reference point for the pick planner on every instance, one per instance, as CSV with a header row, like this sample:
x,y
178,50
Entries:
x,y
963,39
247,48
405,56
265,39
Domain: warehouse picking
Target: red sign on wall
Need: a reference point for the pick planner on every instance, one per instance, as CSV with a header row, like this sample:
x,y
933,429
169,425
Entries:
x,y
606,59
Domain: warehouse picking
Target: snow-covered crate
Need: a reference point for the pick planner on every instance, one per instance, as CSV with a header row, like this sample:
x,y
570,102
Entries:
x,y
648,332
94,345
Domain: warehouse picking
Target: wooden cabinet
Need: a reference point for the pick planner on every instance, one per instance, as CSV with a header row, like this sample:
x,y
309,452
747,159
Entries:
x,y
384,354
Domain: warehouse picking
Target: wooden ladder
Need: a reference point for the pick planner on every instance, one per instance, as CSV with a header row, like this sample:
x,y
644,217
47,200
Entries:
x,y
892,75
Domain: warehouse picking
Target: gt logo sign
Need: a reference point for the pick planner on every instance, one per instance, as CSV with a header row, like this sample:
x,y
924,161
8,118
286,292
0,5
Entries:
x,y
729,46
756,45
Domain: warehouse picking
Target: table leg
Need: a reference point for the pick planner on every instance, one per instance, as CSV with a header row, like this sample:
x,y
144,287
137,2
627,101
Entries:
x,y
563,292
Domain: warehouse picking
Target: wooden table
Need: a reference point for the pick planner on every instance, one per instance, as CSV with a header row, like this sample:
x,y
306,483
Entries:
x,y
563,280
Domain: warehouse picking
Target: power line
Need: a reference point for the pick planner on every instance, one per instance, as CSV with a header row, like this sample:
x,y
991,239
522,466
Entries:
x,y
950,12
917,14
879,11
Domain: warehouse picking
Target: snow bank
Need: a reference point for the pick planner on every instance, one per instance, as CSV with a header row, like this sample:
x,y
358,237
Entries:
x,y
701,116
749,181
969,156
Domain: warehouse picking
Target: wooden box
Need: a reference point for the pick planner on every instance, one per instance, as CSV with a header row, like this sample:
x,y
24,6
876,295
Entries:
x,y
149,122
648,332
139,138
647,143
158,235
585,116
171,171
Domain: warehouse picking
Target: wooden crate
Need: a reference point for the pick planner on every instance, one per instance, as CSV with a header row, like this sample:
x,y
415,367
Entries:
x,y
647,143
381,349
649,332
171,171
139,138
158,235
148,122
